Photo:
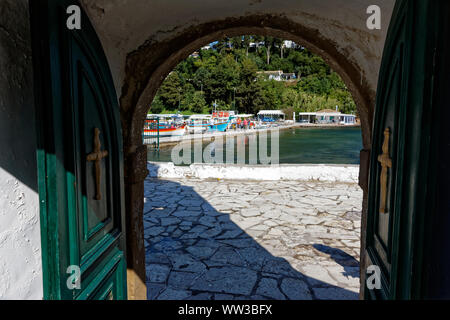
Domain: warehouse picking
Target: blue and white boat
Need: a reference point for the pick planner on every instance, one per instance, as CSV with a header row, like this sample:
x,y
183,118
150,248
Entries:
x,y
199,123
221,127
220,124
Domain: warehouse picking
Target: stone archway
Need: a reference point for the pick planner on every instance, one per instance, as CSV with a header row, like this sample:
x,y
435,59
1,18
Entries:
x,y
145,41
148,66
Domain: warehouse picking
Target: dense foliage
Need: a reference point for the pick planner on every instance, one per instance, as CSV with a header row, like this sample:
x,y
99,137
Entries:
x,y
228,75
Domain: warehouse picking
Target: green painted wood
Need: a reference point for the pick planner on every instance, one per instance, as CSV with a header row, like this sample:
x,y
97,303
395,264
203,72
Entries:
x,y
395,240
75,95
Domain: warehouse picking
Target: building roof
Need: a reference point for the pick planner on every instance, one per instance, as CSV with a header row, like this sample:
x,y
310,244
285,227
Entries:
x,y
200,116
307,113
275,72
326,114
164,116
271,113
327,111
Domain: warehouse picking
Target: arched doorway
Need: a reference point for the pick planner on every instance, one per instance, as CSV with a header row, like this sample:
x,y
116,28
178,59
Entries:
x,y
151,63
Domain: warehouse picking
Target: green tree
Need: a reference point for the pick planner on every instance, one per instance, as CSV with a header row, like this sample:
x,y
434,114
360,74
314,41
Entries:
x,y
198,104
171,91
228,73
157,106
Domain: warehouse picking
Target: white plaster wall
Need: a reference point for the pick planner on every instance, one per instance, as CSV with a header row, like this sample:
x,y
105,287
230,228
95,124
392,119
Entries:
x,y
323,173
124,25
20,246
20,243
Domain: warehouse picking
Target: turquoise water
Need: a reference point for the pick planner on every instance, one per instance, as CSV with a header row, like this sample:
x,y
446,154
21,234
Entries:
x,y
303,146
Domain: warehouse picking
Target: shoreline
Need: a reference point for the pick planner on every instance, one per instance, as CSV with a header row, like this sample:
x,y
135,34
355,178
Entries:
x,y
282,172
171,141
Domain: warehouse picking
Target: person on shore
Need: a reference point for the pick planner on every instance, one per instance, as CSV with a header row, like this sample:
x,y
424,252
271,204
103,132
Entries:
x,y
245,124
239,123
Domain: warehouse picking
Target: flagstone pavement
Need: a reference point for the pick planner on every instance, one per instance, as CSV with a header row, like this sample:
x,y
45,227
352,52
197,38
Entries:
x,y
234,240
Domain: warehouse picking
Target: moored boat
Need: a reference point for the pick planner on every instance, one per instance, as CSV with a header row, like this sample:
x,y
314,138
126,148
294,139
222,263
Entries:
x,y
221,121
164,131
221,127
164,126
198,123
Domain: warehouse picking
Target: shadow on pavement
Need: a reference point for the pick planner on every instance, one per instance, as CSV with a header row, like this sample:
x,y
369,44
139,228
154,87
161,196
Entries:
x,y
194,252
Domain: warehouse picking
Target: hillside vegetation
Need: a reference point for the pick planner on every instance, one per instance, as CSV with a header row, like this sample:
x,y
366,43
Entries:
x,y
228,74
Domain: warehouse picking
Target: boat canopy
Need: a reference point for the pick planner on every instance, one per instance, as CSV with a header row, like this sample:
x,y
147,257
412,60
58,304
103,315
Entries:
x,y
271,113
244,116
165,116
200,117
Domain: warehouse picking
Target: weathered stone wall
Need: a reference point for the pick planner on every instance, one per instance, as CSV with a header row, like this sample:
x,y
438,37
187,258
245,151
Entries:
x,y
20,243
286,172
125,25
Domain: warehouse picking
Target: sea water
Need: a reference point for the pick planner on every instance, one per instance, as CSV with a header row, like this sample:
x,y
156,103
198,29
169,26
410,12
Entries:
x,y
334,145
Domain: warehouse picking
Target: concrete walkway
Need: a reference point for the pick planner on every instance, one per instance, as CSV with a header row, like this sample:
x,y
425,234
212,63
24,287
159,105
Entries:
x,y
224,240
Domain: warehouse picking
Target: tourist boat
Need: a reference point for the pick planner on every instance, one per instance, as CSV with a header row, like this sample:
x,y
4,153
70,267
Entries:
x,y
198,123
221,121
219,126
164,126
165,132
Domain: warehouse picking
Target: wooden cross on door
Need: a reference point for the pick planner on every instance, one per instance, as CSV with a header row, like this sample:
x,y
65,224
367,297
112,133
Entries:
x,y
386,163
97,156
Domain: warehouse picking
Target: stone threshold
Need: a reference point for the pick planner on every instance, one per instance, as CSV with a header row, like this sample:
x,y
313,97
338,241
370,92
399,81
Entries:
x,y
296,172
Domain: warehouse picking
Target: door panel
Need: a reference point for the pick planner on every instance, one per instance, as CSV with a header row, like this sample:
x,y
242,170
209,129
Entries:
x,y
398,169
81,161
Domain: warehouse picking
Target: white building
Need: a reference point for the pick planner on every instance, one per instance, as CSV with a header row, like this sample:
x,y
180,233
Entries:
x,y
271,115
327,117
278,75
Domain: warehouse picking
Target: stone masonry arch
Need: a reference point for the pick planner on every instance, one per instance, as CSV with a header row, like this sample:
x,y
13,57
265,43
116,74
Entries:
x,y
150,64
142,53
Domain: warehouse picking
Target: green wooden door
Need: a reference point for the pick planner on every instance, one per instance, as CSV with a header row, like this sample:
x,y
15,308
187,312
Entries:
x,y
401,150
80,159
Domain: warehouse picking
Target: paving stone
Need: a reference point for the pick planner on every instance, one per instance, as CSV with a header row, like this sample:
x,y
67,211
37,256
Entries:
x,y
317,275
295,289
154,231
157,273
255,257
181,280
230,234
156,258
298,236
185,262
167,244
334,294
173,294
201,252
177,233
154,289
204,296
169,221
250,212
208,221
228,255
185,213
211,233
223,297
228,280
269,287
280,266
